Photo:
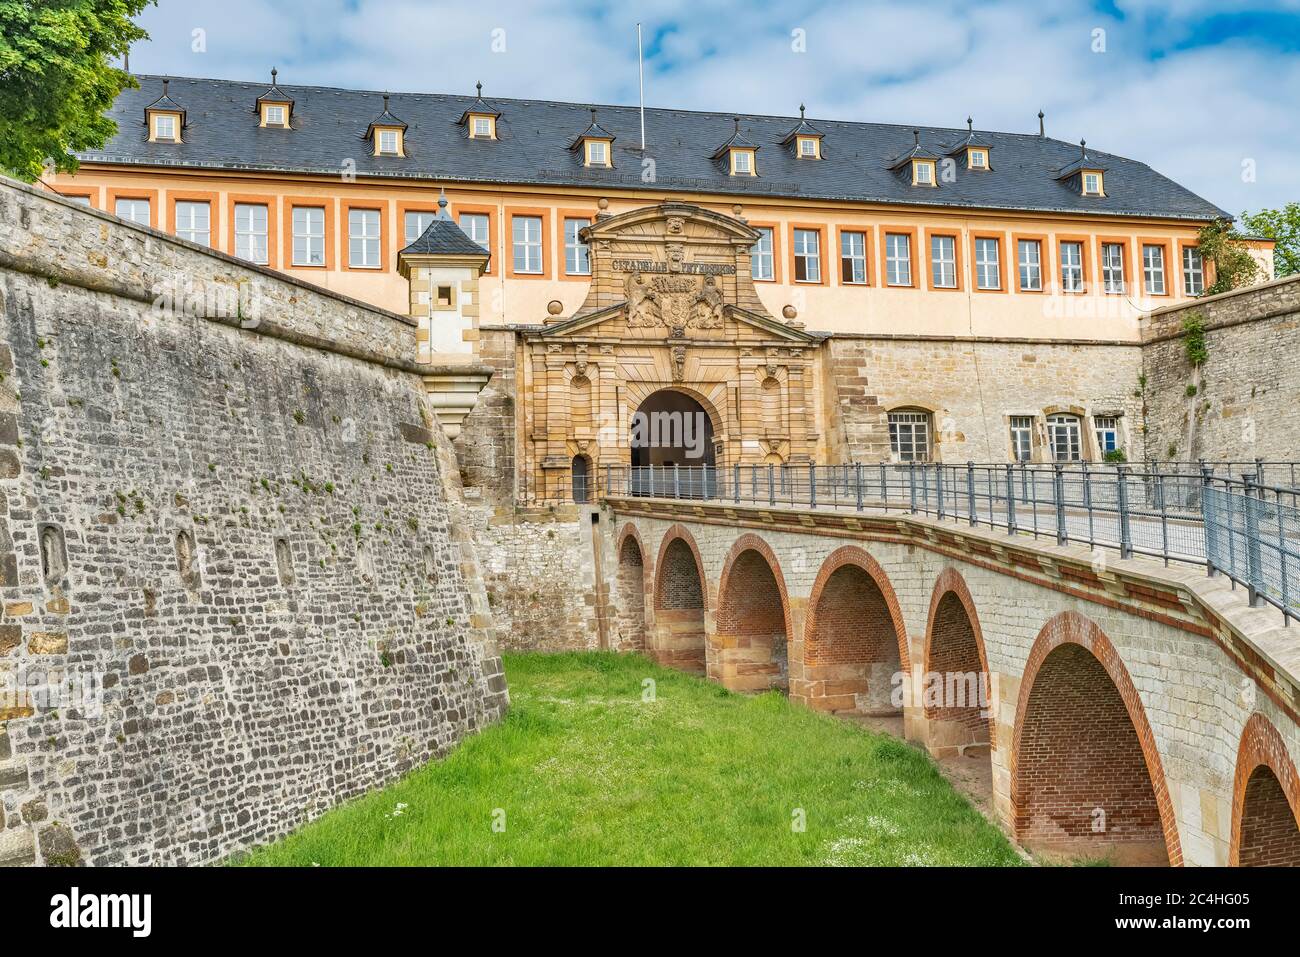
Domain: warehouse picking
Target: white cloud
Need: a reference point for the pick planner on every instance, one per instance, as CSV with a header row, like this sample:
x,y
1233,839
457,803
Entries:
x,y
1193,114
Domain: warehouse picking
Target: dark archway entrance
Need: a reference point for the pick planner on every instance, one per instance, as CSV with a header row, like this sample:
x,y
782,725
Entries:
x,y
672,446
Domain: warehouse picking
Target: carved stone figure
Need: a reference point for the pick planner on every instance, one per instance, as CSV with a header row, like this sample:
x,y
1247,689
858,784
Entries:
x,y
706,311
679,363
643,307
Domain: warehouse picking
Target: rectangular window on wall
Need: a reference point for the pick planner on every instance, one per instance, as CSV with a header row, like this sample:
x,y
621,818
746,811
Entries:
x,y
1030,255
1022,437
988,272
132,210
414,223
363,238
909,436
251,232
527,236
1193,272
475,226
807,256
761,265
898,259
577,257
1107,434
1063,438
1112,268
1153,269
853,258
943,261
1072,266
308,236
193,222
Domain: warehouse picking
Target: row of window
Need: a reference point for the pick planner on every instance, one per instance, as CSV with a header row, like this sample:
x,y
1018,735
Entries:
x,y
944,269
910,431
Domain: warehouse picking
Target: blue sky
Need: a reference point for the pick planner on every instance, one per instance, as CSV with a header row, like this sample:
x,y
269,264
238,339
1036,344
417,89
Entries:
x,y
1203,91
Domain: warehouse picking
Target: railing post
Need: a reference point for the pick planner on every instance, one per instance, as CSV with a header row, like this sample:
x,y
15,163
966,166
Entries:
x,y
884,484
938,487
735,483
812,485
1281,560
1125,531
970,492
858,470
1058,493
1209,529
1011,499
609,478
677,481
911,474
1254,567
1164,519
771,484
1259,471
1087,504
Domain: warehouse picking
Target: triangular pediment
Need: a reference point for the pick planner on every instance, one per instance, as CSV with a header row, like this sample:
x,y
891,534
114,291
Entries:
x,y
737,324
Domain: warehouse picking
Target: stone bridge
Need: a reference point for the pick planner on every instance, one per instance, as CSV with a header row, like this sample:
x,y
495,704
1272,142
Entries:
x,y
1126,709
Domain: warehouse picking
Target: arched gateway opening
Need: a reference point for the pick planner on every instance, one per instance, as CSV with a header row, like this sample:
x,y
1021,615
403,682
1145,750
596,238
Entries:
x,y
955,685
671,429
631,623
751,634
1086,780
1265,800
679,607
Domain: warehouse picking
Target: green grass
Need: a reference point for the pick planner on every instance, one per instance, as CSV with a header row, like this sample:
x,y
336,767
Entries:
x,y
588,773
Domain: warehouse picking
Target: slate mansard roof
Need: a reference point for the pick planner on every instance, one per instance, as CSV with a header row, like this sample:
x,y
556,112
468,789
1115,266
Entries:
x,y
534,136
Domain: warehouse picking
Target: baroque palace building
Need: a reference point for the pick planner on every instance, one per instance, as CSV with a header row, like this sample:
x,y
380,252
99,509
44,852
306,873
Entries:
x,y
807,290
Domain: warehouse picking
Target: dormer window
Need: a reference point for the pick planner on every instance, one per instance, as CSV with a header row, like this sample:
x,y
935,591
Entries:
x,y
742,162
738,155
1085,174
977,158
275,107
972,148
596,144
388,143
387,133
480,118
809,147
918,165
922,172
1092,183
805,139
165,128
597,153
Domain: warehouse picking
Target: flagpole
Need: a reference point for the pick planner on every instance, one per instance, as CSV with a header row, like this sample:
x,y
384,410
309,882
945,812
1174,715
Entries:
x,y
640,72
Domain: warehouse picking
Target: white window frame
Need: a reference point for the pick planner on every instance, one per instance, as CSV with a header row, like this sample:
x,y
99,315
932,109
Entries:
x,y
1065,437
923,174
853,254
1193,271
388,142
170,135
1108,434
898,259
983,264
474,223
808,147
274,115
762,255
742,162
1072,268
363,239
1112,269
577,255
1153,269
909,435
415,222
1030,266
808,254
943,262
308,224
1022,438
1092,184
130,210
979,159
597,153
482,127
252,232
194,221
526,239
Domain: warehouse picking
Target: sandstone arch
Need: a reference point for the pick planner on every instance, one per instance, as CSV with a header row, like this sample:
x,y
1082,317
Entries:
x,y
681,599
752,624
1265,800
955,694
634,584
1086,779
854,639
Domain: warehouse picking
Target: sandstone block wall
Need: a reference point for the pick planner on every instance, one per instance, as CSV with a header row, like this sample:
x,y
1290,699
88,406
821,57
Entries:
x,y
1245,403
232,596
971,389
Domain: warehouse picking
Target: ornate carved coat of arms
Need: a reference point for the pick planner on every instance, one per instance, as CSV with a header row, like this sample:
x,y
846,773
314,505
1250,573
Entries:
x,y
673,300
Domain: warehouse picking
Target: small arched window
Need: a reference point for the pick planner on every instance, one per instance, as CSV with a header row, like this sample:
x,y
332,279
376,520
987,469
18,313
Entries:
x,y
909,435
581,478
1064,437
54,557
284,561
187,559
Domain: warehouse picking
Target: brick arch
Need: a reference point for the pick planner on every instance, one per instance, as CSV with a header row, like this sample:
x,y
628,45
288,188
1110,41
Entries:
x,y
633,616
1083,722
1265,800
677,638
842,664
751,637
954,646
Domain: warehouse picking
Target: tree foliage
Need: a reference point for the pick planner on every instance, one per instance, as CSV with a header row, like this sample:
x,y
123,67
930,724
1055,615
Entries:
x,y
1283,227
1234,266
56,78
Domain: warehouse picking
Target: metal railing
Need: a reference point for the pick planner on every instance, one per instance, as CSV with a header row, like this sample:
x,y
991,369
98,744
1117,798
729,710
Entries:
x,y
1198,514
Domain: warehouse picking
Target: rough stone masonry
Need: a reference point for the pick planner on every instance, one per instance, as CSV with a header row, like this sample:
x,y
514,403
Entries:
x,y
234,592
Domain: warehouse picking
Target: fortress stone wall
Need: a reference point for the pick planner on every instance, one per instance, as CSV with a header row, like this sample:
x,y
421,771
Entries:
x,y
236,586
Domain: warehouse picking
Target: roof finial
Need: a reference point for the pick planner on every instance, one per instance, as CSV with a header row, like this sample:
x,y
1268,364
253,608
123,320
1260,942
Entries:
x,y
1083,149
274,74
737,119
385,102
801,111
593,116
442,204
479,88
1041,130
165,82
916,137
970,125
